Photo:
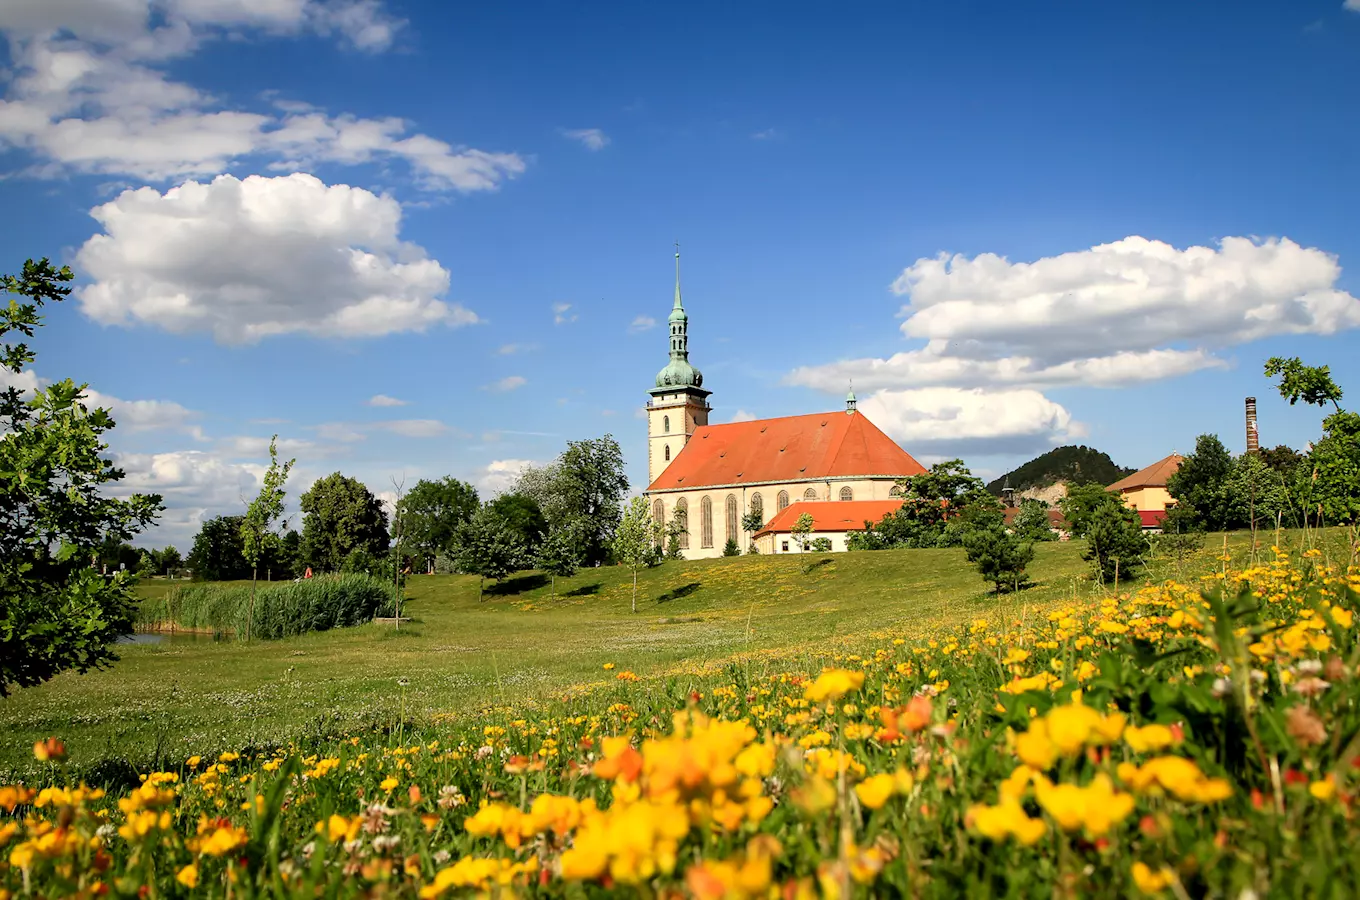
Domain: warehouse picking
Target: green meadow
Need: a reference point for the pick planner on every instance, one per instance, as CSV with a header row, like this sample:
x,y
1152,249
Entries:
x,y
524,643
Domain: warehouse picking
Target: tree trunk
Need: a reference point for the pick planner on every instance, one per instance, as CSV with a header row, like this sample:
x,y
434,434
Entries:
x,y
553,580
481,580
634,590
250,617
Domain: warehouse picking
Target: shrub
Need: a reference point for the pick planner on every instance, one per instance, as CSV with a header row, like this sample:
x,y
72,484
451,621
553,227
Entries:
x,y
1000,557
731,548
314,604
1115,542
821,545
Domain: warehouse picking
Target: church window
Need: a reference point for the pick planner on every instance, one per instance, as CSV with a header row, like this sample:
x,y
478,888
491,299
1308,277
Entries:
x,y
666,424
847,493
758,504
781,501
895,491
682,521
810,494
731,516
659,512
705,522
668,452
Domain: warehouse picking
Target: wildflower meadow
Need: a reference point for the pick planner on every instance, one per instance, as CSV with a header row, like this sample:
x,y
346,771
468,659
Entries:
x,y
1175,740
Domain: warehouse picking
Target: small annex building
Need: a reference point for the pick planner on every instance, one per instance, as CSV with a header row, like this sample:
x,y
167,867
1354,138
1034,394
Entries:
x,y
1145,490
831,519
708,477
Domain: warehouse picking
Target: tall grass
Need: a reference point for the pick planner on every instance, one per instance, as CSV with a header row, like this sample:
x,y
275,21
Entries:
x,y
281,610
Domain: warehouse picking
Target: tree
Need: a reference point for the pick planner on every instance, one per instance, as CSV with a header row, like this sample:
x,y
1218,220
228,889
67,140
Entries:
x,y
1031,523
342,515
731,548
284,557
431,514
1282,459
1081,503
522,515
257,526
753,521
801,531
634,539
217,553
1262,490
488,548
678,525
1208,481
1115,542
1329,488
1000,557
168,560
585,484
929,501
980,509
56,613
560,554
821,545
116,555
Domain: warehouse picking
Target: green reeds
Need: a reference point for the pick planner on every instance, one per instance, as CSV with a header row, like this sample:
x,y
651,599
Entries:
x,y
281,610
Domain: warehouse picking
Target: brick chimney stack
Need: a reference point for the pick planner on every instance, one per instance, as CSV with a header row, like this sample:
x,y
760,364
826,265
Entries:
x,y
1253,442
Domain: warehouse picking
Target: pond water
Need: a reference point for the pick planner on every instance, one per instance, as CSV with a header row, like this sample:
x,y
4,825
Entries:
x,y
172,637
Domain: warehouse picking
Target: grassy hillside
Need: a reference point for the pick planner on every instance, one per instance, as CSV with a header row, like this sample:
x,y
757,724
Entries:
x,y
519,645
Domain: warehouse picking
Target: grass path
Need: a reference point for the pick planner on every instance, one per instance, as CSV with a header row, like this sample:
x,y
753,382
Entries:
x,y
519,645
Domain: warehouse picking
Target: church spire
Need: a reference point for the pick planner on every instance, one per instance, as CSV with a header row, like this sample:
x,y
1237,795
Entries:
x,y
677,278
850,402
679,372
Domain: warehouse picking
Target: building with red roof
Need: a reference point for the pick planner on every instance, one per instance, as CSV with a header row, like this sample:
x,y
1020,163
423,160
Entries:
x,y
832,519
1145,490
709,476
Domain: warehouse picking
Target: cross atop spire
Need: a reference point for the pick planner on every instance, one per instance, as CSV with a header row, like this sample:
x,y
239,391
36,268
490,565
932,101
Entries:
x,y
677,276
850,402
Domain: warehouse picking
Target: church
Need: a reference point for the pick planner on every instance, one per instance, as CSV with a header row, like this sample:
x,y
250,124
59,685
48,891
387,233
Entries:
x,y
839,464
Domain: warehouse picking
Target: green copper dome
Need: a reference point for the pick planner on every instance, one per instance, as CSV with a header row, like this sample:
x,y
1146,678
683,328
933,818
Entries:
x,y
679,373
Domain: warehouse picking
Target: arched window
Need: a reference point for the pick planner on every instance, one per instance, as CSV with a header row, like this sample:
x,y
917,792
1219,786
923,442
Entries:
x,y
659,512
705,522
732,523
895,491
810,494
847,494
666,424
781,501
682,519
668,452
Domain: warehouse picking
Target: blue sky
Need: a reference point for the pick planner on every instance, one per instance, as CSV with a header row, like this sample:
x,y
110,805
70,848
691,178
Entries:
x,y
1013,225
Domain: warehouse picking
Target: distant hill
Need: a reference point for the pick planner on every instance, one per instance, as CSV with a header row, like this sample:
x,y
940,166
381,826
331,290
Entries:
x,y
1077,464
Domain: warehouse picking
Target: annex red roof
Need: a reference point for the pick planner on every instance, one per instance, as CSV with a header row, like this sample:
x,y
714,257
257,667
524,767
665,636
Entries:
x,y
1055,517
792,448
1154,475
1152,518
832,515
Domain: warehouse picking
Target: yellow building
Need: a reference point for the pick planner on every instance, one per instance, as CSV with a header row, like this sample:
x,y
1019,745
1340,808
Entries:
x,y
1145,490
712,475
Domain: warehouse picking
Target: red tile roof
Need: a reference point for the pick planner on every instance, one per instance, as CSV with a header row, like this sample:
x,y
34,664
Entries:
x,y
832,515
1154,475
1055,516
792,448
1152,518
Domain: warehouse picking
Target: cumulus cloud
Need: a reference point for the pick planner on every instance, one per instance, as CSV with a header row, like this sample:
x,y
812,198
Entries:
x,y
87,92
640,324
742,415
590,138
1352,5
248,259
562,313
765,134
196,486
512,349
384,400
128,415
924,416
508,383
1118,314
499,475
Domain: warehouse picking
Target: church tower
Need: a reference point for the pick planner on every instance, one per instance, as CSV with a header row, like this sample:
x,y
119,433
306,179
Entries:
x,y
678,403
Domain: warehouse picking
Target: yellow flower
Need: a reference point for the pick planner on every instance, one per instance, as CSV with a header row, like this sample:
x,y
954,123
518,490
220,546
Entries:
x,y
874,792
1004,820
1149,737
389,783
1148,881
1034,748
1070,726
1095,808
1324,789
609,667
834,684
188,876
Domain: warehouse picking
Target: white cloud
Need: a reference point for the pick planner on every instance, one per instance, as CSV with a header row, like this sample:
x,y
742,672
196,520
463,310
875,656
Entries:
x,y
590,138
413,428
339,431
1114,315
508,383
196,486
954,415
1130,295
560,313
128,415
1352,5
384,400
640,324
86,92
765,134
247,259
512,349
499,475
742,415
